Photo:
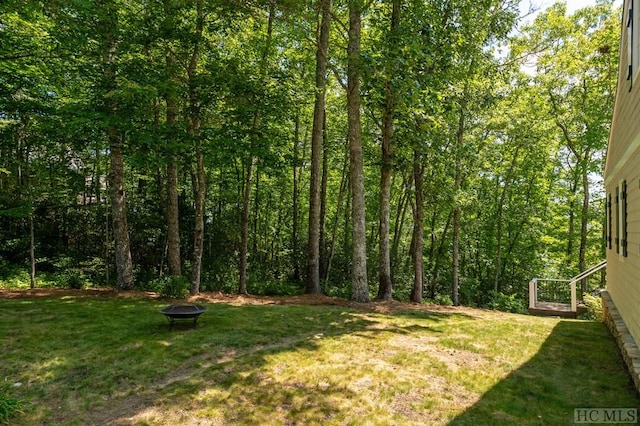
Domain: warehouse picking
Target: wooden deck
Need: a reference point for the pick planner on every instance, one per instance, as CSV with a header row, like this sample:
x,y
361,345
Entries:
x,y
552,309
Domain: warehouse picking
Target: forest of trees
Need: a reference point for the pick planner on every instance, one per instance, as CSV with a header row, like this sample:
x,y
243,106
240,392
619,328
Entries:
x,y
433,149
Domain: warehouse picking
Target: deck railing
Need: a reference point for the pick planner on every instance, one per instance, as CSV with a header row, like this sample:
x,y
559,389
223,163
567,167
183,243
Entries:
x,y
557,291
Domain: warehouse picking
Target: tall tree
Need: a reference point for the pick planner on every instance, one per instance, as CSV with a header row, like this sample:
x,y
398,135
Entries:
x,y
257,117
418,228
171,100
108,26
313,247
359,286
385,289
199,183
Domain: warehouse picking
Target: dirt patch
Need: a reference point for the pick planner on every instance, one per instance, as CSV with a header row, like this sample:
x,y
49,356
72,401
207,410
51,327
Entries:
x,y
59,292
454,359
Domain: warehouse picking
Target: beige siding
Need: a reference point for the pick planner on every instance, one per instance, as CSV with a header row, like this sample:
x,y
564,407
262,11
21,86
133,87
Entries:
x,y
623,163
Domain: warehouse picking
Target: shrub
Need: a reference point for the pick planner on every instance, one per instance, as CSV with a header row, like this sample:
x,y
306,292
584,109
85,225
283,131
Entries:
x,y
594,308
443,299
171,286
70,278
507,303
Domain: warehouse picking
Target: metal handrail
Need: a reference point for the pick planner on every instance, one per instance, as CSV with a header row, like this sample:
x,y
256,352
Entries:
x,y
589,272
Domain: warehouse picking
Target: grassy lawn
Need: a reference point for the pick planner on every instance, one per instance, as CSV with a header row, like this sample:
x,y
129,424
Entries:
x,y
104,360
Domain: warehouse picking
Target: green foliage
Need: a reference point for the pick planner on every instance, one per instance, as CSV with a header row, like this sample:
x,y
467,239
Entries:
x,y
518,192
594,308
443,300
8,405
71,278
507,303
341,290
67,275
171,286
12,276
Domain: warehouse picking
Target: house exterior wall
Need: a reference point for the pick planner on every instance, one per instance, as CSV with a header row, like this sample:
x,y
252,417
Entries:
x,y
623,166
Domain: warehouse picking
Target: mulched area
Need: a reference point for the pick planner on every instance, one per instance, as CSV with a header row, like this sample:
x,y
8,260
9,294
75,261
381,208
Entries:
x,y
388,307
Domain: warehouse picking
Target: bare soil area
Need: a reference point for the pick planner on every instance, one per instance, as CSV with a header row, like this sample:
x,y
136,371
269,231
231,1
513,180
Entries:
x,y
388,307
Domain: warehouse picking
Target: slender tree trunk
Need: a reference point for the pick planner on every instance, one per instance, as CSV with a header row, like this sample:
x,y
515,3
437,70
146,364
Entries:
x,y
198,237
344,183
173,228
246,203
573,190
200,177
256,210
584,221
401,213
296,201
26,181
455,284
244,237
418,229
359,287
347,243
439,255
385,288
500,208
323,201
172,214
459,143
32,249
313,248
124,264
582,161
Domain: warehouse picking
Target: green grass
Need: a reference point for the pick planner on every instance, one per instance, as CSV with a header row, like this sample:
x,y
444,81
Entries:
x,y
99,360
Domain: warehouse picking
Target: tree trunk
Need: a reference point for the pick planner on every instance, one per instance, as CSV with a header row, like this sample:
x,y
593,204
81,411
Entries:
x,y
359,287
418,229
498,216
573,190
173,228
200,182
344,182
296,201
323,201
439,255
313,249
124,264
256,210
23,141
246,203
401,213
459,143
172,214
244,237
584,220
385,288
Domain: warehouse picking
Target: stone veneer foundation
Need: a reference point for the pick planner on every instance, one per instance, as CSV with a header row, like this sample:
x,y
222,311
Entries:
x,y
620,332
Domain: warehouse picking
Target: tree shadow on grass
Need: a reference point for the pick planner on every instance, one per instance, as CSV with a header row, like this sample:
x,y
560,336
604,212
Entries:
x,y
96,360
578,366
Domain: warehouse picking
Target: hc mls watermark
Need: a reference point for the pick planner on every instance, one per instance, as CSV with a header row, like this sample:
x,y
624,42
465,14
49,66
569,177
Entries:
x,y
605,415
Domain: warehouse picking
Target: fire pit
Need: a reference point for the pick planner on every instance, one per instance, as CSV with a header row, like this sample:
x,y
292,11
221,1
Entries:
x,y
183,311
